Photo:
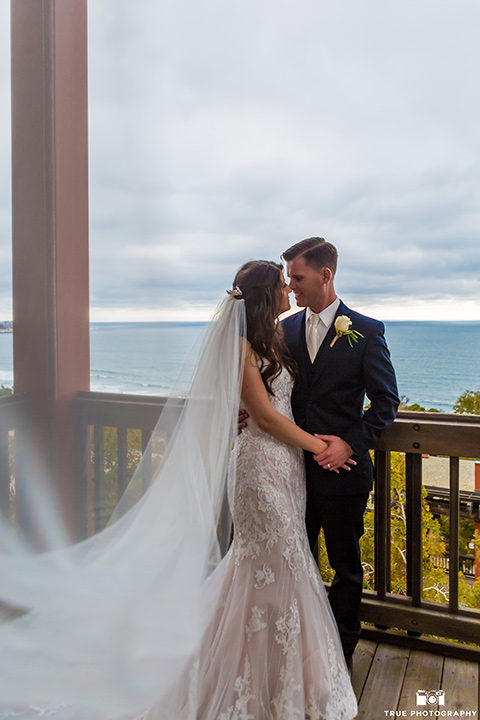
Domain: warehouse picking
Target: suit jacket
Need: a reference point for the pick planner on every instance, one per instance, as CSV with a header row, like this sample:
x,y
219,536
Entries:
x,y
329,395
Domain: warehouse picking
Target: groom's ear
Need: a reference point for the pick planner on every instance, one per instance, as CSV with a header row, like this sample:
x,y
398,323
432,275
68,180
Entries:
x,y
326,275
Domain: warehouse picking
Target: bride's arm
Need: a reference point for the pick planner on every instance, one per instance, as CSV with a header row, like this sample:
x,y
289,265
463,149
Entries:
x,y
257,402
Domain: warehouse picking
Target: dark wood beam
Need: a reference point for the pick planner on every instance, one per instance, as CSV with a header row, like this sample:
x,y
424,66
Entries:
x,y
433,434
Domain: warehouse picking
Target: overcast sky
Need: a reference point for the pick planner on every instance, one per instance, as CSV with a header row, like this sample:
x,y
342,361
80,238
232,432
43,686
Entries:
x,y
226,130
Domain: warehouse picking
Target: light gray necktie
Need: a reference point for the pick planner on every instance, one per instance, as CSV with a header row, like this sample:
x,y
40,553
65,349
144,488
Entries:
x,y
313,335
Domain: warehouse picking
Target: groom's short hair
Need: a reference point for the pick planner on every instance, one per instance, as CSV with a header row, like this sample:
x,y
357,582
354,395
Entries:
x,y
316,251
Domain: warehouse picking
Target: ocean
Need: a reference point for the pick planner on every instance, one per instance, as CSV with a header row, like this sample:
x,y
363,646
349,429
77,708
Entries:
x,y
435,361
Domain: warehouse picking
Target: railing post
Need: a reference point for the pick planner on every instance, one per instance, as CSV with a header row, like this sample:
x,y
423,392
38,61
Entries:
x,y
147,459
98,478
453,564
4,472
477,521
413,479
85,522
382,524
122,460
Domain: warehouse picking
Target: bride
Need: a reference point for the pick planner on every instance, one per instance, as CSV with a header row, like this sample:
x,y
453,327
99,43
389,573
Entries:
x,y
135,617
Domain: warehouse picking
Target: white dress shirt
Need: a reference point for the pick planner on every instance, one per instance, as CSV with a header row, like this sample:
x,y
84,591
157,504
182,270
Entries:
x,y
327,316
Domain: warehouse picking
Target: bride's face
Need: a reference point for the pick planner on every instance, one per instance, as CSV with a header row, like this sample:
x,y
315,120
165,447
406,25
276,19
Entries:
x,y
284,296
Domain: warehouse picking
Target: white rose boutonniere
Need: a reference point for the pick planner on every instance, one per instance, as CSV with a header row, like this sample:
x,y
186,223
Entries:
x,y
343,326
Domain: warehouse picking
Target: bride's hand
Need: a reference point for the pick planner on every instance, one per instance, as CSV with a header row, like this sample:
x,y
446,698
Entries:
x,y
348,464
336,455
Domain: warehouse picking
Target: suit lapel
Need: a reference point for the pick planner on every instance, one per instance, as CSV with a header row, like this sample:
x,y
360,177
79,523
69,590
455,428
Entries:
x,y
324,354
302,347
298,346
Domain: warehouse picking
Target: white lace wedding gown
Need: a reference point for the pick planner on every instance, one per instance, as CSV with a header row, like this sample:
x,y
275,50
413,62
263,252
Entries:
x,y
272,651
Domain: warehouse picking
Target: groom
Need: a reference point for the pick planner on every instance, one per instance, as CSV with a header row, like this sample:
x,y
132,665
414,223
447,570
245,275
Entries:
x,y
328,400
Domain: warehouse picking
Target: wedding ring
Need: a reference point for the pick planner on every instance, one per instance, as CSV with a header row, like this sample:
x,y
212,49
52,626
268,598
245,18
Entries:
x,y
328,465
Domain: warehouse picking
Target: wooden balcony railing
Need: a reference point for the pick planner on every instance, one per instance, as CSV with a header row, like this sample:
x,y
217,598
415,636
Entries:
x,y
114,430
105,467
466,564
414,434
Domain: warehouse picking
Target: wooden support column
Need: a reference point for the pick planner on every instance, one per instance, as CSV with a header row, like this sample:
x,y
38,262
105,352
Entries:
x,y
50,226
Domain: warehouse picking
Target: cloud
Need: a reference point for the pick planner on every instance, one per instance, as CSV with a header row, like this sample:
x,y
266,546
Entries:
x,y
227,130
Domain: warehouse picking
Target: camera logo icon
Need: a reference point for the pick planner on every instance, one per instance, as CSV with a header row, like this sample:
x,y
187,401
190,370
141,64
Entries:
x,y
430,697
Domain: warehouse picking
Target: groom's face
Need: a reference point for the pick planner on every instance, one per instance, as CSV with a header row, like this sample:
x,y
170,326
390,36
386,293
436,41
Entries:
x,y
311,287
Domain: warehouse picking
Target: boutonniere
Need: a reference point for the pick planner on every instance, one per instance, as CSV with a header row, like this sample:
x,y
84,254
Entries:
x,y
343,326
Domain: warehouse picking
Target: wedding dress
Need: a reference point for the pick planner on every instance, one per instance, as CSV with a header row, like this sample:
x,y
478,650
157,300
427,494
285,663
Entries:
x,y
134,617
272,650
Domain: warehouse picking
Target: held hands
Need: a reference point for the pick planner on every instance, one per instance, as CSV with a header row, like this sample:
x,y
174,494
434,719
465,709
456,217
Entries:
x,y
337,455
242,420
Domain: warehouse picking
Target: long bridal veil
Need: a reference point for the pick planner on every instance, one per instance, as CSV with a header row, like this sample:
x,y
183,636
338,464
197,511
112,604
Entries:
x,y
107,625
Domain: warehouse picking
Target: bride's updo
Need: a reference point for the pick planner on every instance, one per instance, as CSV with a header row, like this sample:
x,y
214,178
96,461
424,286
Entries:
x,y
261,284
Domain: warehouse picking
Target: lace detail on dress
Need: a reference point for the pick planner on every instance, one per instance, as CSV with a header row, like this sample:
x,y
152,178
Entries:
x,y
288,628
264,577
342,704
277,519
312,711
256,624
243,689
261,519
294,554
284,705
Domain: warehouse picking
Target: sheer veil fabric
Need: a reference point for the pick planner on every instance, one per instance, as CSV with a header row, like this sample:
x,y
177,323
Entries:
x,y
111,623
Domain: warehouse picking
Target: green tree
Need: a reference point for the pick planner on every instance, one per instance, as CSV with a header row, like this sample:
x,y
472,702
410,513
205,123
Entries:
x,y
468,403
465,535
414,407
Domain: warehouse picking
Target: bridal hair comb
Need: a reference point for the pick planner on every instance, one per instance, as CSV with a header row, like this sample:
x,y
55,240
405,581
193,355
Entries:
x,y
235,293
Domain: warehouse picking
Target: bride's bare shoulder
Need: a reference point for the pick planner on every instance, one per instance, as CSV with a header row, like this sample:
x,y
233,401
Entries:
x,y
251,357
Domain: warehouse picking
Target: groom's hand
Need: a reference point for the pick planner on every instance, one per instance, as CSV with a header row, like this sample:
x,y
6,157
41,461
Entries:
x,y
242,420
336,455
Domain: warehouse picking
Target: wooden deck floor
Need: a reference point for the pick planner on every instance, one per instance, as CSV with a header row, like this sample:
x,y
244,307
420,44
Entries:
x,y
386,679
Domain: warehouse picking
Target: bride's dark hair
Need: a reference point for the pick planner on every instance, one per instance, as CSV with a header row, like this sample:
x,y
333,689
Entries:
x,y
260,282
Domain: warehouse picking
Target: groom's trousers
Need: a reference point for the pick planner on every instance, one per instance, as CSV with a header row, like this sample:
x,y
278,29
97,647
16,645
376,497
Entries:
x,y
341,517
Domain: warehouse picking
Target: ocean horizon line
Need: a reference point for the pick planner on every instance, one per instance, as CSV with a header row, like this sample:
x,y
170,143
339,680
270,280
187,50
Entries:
x,y
204,322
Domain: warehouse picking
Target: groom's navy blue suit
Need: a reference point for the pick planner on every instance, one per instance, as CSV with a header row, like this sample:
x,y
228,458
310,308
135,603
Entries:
x,y
328,399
